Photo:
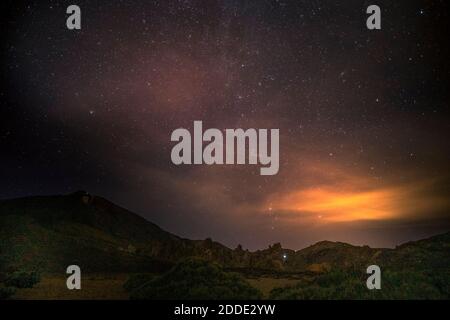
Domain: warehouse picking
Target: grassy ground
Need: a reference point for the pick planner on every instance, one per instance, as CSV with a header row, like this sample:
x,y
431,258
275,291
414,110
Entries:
x,y
110,286
265,284
93,287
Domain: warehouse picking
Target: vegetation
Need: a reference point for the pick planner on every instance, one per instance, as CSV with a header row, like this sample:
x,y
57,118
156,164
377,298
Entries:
x,y
18,279
6,292
22,279
43,233
350,284
93,287
197,279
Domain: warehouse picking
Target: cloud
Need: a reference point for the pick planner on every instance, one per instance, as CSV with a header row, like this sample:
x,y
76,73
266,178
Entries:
x,y
350,197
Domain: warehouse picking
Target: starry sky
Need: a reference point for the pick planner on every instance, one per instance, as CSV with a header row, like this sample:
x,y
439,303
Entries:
x,y
363,115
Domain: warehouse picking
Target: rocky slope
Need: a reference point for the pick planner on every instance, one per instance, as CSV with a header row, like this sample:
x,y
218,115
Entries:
x,y
49,233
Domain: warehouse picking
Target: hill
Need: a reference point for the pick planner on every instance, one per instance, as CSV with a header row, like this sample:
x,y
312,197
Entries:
x,y
51,232
48,233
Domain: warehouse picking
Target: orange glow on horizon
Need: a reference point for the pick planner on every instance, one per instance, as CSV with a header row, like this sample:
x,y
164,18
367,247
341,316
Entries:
x,y
342,206
346,204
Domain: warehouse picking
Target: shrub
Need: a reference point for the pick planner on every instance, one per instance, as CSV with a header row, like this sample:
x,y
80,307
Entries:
x,y
6,292
22,279
348,284
197,279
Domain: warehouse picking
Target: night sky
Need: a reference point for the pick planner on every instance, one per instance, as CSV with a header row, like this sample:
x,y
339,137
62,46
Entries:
x,y
363,115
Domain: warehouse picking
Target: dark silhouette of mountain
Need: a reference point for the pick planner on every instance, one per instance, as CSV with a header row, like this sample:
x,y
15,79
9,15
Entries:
x,y
48,233
51,232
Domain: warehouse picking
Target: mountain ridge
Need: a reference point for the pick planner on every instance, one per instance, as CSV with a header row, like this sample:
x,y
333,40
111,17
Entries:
x,y
50,232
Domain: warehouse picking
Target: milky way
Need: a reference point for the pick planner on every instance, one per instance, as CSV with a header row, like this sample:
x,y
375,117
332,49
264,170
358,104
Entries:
x,y
363,115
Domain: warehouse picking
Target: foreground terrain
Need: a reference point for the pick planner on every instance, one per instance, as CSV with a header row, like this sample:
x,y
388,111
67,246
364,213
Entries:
x,y
111,287
122,255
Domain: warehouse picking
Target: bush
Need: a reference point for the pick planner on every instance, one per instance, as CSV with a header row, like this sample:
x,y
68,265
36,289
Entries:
x,y
348,284
197,279
6,292
22,279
